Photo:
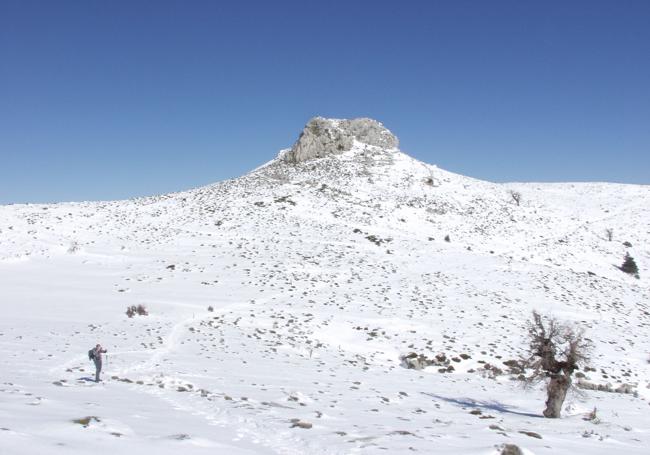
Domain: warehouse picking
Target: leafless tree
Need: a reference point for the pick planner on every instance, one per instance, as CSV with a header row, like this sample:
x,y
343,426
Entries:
x,y
516,196
556,350
610,233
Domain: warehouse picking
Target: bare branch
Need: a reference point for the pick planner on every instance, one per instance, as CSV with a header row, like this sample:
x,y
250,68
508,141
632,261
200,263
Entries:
x,y
516,196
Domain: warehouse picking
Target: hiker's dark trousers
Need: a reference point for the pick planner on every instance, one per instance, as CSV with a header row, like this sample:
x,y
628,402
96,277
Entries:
x,y
98,369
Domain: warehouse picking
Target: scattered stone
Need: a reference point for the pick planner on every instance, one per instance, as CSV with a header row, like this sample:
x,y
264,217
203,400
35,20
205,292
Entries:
x,y
300,424
510,449
416,361
85,421
180,436
532,434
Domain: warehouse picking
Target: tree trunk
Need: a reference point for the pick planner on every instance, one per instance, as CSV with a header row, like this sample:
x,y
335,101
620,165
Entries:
x,y
556,390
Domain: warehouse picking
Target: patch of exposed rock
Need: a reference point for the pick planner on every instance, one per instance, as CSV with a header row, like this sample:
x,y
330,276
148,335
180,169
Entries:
x,y
322,137
414,361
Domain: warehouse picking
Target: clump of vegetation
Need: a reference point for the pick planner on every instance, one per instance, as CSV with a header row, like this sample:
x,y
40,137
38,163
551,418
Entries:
x,y
556,350
609,232
592,417
210,308
139,310
74,247
516,196
378,240
447,238
629,266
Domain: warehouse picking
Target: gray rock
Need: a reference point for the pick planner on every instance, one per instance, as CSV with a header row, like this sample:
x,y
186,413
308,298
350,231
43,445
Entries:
x,y
322,137
370,132
414,361
511,449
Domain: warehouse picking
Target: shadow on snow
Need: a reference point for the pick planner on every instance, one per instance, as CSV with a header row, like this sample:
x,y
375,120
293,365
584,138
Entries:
x,y
491,405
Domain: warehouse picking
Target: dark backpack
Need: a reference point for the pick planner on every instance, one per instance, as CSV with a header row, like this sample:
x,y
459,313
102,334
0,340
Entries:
x,y
91,354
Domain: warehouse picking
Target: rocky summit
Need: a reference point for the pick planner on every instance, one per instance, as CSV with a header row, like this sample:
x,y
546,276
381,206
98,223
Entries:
x,y
323,136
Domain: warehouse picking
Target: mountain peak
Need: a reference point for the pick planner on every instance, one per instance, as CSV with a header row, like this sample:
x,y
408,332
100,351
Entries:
x,y
323,136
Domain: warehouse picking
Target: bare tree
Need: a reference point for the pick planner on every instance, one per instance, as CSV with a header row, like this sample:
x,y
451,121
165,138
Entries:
x,y
516,196
609,232
556,350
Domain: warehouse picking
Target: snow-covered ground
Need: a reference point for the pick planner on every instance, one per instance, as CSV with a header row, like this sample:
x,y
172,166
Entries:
x,y
320,275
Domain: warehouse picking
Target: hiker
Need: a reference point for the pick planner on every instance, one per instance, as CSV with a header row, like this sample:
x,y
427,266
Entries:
x,y
96,356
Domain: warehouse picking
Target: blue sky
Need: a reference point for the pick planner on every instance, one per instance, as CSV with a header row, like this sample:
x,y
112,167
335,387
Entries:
x,y
110,100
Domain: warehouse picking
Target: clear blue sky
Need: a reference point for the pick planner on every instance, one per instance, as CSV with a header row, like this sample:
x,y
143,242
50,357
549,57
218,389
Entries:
x,y
108,100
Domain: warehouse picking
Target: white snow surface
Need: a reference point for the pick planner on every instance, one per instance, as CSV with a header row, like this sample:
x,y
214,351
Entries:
x,y
320,276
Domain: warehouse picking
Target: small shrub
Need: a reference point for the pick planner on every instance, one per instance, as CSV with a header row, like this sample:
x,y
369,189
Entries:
x,y
592,417
609,232
447,239
629,266
140,310
516,196
210,308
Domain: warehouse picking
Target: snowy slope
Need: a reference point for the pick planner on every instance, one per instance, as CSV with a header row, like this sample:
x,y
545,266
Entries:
x,y
321,274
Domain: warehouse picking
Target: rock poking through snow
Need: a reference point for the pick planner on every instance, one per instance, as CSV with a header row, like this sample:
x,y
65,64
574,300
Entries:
x,y
511,449
322,137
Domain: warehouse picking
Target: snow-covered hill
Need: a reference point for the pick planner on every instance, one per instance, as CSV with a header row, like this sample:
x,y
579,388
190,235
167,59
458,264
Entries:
x,y
322,268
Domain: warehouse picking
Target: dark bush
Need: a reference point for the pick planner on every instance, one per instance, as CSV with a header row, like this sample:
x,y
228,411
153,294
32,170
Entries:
x,y
629,266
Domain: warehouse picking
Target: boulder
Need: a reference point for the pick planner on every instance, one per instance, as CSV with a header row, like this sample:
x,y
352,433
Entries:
x,y
510,449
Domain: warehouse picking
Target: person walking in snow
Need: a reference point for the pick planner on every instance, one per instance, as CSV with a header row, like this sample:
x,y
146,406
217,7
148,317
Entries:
x,y
97,358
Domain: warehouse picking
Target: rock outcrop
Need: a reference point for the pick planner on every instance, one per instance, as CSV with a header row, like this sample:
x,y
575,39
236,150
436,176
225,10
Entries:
x,y
414,361
322,137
